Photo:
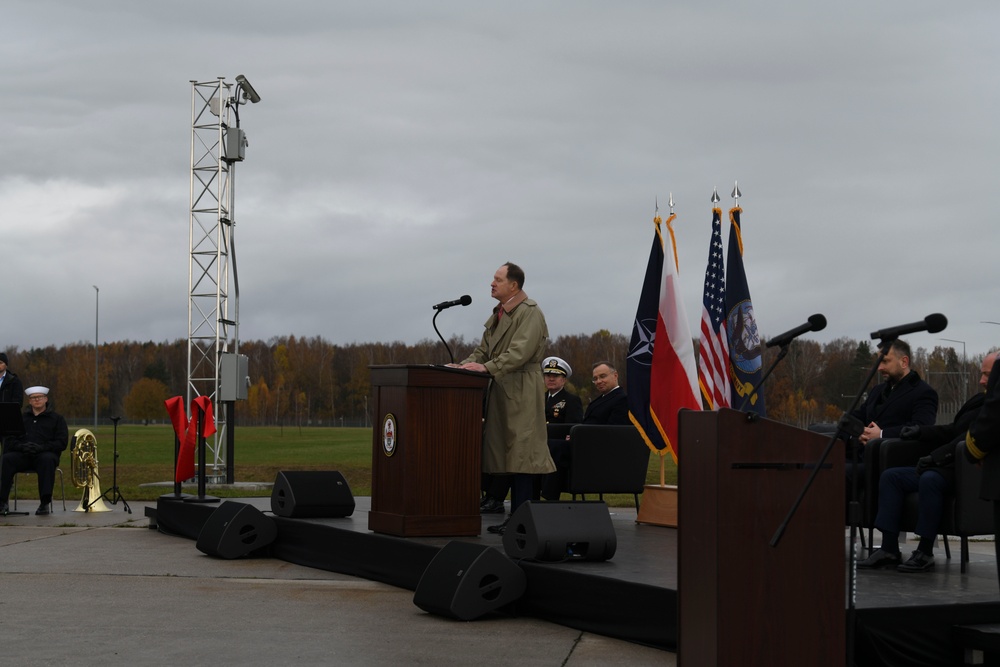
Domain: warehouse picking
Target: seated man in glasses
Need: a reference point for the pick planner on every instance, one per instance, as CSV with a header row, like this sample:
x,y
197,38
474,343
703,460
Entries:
x,y
45,437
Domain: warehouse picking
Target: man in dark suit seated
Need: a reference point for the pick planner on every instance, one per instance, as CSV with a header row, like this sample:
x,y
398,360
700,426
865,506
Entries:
x,y
902,399
610,407
933,479
982,444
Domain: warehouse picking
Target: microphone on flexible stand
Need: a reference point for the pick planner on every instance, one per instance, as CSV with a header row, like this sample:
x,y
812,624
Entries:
x,y
931,324
463,301
816,322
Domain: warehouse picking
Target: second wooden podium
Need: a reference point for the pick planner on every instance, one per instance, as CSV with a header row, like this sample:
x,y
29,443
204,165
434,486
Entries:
x,y
426,450
740,600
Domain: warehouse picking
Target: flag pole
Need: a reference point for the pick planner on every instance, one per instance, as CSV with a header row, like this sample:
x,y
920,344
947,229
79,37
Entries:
x,y
670,203
662,453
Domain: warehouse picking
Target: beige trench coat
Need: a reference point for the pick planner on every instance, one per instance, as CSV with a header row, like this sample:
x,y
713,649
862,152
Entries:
x,y
514,438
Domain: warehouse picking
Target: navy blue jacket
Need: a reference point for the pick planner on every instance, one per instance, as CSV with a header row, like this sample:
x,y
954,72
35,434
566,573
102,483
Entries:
x,y
609,408
912,402
11,390
47,430
563,408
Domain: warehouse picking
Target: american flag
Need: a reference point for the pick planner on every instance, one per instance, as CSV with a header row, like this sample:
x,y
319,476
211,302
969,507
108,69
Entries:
x,y
713,354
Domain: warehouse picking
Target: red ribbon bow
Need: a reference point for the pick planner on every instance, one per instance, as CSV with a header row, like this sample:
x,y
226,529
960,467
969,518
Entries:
x,y
187,431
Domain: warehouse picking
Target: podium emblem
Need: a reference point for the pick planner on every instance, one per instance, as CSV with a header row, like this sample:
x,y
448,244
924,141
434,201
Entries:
x,y
389,434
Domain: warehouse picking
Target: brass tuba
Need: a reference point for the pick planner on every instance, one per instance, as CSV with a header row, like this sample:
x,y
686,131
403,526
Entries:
x,y
83,466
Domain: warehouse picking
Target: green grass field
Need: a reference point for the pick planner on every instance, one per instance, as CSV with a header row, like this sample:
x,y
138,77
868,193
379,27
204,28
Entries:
x,y
145,455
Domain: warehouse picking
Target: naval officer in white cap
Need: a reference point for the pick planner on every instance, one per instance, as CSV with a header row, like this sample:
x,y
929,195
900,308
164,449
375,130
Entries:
x,y
45,437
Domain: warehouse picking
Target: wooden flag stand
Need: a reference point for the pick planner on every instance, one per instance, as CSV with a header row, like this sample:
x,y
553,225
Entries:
x,y
659,503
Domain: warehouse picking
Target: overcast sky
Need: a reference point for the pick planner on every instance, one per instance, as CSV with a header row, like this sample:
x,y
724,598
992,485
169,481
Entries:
x,y
403,150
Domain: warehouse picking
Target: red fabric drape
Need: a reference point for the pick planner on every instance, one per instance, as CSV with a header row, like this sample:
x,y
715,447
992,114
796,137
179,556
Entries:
x,y
187,431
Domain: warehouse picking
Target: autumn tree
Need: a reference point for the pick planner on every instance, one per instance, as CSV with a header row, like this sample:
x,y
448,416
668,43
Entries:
x,y
146,400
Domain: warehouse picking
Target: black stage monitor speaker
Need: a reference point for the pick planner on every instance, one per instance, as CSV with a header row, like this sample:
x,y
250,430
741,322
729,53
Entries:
x,y
234,530
553,531
311,494
467,580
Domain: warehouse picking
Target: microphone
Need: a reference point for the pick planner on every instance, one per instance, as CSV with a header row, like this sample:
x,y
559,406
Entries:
x,y
816,323
931,324
464,301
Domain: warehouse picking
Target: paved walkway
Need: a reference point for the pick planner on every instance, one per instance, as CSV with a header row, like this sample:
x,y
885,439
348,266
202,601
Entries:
x,y
102,589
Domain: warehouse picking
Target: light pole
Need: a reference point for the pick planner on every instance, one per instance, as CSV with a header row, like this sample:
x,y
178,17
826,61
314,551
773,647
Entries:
x,y
97,319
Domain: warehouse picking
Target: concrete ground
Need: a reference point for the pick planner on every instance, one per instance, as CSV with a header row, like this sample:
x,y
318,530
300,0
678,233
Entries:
x,y
102,589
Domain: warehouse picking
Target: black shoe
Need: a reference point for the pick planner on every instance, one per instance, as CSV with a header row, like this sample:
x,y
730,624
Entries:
x,y
918,562
491,506
880,559
4,509
498,529
44,509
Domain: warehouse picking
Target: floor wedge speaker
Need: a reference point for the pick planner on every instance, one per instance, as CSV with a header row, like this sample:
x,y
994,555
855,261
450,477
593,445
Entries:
x,y
554,531
234,530
311,494
466,580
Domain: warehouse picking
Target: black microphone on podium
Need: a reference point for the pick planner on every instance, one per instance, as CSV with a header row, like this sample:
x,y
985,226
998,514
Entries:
x,y
464,301
931,324
816,323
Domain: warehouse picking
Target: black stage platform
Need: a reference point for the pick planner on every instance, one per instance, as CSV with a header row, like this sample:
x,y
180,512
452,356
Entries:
x,y
900,619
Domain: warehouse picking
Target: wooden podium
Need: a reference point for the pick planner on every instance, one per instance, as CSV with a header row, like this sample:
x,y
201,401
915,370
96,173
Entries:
x,y
740,600
426,450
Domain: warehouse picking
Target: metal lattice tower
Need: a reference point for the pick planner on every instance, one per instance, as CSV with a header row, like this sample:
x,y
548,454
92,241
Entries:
x,y
213,318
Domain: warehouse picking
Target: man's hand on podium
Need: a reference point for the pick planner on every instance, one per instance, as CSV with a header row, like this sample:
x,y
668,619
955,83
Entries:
x,y
472,366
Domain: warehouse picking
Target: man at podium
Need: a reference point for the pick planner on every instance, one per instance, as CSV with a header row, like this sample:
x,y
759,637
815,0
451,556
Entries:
x,y
511,351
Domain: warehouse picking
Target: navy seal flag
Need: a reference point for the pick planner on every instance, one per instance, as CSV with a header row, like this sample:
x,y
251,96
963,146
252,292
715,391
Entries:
x,y
745,350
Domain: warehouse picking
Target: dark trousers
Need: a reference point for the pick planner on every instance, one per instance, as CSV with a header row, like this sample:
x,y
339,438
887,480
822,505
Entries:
x,y
44,464
522,488
498,485
896,483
